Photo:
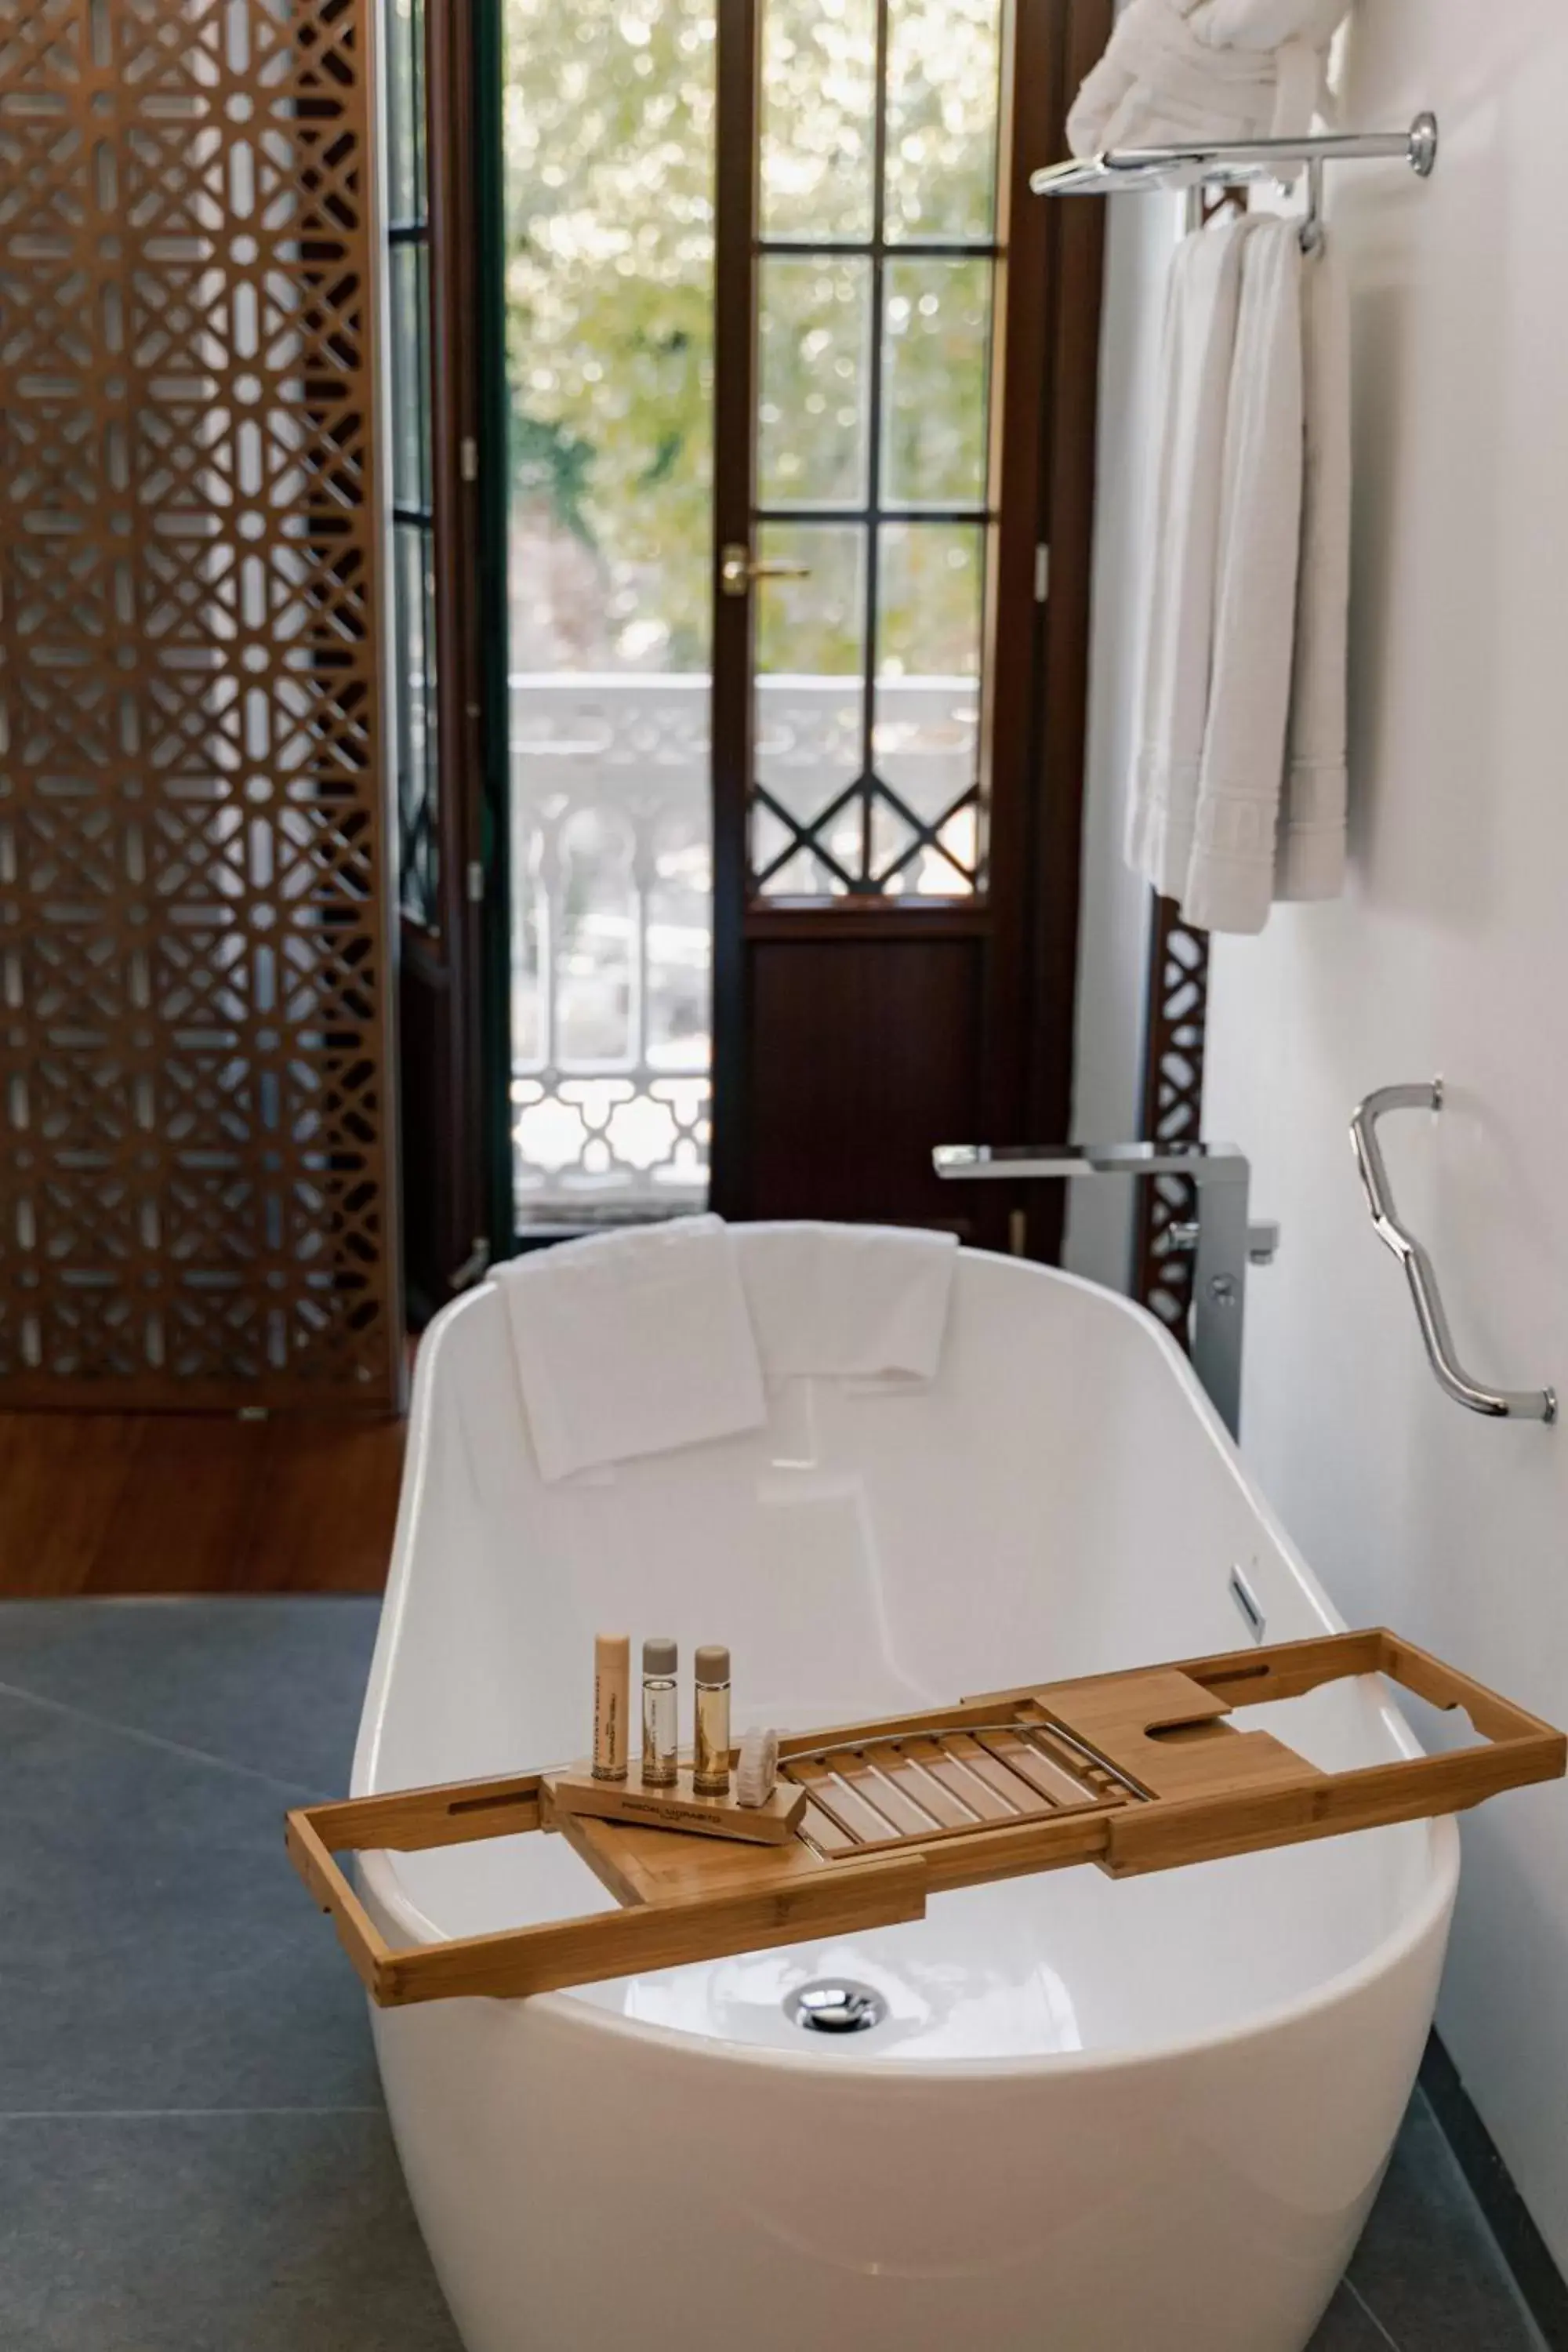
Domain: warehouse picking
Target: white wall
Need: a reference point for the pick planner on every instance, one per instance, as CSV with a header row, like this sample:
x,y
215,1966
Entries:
x,y
1449,953
1114,904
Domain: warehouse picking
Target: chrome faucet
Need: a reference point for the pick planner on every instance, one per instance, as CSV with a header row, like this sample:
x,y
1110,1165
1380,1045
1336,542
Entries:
x,y
1223,1241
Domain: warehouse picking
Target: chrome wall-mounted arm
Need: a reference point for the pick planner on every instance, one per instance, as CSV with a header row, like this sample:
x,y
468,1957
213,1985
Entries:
x,y
1519,1404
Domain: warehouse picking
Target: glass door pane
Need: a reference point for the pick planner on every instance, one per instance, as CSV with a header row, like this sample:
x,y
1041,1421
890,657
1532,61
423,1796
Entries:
x,y
876,278
413,517
609,151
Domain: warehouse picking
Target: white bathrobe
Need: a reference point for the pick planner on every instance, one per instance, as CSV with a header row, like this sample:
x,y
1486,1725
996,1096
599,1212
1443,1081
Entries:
x,y
1180,72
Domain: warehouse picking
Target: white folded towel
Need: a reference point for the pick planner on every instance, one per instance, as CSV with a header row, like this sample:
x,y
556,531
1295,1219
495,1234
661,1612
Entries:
x,y
847,1300
1310,861
1230,874
1196,356
633,1343
1177,73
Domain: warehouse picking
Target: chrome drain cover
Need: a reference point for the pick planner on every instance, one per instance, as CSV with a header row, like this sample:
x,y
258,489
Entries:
x,y
834,2005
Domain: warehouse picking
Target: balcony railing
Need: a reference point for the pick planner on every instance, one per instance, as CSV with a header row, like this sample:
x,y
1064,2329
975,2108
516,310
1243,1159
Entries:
x,y
612,908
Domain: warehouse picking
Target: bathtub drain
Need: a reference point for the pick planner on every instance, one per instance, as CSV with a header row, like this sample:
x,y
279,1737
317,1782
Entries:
x,y
834,2005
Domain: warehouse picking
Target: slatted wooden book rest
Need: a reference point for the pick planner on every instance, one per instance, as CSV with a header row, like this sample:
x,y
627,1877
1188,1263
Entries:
x,y
1135,1771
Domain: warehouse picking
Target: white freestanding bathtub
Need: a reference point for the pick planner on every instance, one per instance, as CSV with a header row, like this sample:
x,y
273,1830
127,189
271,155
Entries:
x,y
1098,2117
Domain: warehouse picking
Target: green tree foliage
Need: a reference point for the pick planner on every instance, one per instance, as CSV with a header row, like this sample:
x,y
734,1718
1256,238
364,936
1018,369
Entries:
x,y
609,122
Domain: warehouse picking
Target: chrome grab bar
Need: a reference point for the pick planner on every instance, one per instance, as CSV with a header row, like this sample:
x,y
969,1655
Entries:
x,y
1520,1404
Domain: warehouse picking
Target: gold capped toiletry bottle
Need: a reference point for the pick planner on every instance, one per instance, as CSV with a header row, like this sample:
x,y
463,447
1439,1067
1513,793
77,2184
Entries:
x,y
659,1701
612,1697
710,1754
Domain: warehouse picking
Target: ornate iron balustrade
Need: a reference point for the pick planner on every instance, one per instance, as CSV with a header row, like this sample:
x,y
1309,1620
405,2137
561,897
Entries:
x,y
611,910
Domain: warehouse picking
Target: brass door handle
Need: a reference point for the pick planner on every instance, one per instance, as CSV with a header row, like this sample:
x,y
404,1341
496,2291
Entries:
x,y
738,568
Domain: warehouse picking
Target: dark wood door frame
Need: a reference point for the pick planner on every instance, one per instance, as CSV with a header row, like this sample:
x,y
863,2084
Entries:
x,y
445,1113
1025,930
1042,674
734,396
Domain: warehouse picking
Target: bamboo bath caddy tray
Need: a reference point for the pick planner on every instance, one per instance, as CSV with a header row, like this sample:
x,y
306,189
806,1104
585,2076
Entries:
x,y
1135,1771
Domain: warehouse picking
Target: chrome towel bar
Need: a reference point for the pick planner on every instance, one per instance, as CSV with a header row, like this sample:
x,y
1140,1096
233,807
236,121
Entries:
x,y
1195,168
1520,1404
1233,165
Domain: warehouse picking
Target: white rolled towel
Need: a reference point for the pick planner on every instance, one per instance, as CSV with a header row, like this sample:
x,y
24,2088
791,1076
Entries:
x,y
1311,851
1177,73
1229,880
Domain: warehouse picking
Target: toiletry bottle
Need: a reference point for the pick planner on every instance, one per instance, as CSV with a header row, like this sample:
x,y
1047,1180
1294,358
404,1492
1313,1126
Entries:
x,y
612,1697
660,1700
710,1754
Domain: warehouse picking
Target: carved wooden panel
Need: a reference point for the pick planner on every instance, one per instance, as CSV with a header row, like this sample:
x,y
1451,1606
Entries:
x,y
1175,1019
194,1199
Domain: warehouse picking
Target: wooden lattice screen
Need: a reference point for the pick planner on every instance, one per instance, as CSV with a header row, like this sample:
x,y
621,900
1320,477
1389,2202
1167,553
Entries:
x,y
194,1191
1176,1024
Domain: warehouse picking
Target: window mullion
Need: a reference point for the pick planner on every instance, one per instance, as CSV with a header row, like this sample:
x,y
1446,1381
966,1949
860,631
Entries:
x,y
874,442
922,563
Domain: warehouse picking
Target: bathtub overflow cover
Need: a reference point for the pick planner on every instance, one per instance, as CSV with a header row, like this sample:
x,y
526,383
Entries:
x,y
836,2005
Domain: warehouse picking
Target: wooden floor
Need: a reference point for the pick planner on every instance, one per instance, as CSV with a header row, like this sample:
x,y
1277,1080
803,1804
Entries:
x,y
187,1503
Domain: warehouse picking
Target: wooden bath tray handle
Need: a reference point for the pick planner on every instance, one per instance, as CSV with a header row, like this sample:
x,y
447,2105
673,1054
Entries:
x,y
516,1960
1137,1771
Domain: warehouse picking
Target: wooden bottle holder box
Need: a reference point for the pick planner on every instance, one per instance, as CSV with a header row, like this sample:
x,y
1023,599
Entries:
x,y
1134,1772
679,1807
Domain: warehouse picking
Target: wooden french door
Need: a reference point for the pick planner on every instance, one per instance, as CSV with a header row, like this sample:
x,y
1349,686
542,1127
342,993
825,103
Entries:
x,y
905,356
432,202
794,299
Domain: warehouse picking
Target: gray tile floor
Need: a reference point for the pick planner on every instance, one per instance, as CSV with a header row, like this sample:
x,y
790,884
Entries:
x,y
193,2152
